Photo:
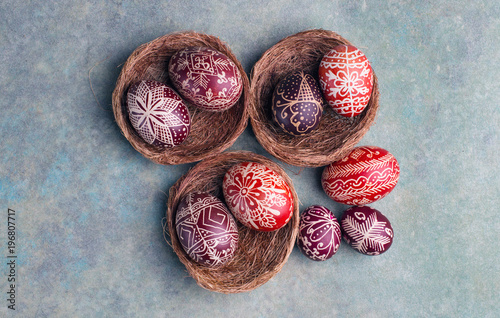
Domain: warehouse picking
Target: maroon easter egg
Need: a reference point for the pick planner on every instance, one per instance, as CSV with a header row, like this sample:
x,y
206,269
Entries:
x,y
319,233
297,103
257,196
206,229
366,230
158,114
206,78
346,79
365,175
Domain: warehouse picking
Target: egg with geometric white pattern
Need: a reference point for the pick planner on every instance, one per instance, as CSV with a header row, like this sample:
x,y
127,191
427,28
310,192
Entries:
x,y
206,229
158,114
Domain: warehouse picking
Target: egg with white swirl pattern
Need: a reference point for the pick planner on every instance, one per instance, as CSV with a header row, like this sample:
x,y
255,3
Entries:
x,y
297,104
319,233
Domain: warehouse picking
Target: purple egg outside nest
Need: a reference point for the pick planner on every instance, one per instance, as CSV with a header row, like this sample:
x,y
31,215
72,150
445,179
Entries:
x,y
319,233
367,230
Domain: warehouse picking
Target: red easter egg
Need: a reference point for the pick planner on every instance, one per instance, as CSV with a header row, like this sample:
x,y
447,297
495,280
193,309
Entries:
x,y
367,230
206,229
206,78
346,79
319,233
365,175
257,196
158,114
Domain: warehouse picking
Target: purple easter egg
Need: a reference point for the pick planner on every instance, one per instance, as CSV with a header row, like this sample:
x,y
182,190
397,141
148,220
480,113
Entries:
x,y
366,230
158,114
206,229
297,104
205,77
319,233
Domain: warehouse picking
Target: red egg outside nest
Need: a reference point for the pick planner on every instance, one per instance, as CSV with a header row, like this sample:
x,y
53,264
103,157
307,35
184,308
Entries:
x,y
365,175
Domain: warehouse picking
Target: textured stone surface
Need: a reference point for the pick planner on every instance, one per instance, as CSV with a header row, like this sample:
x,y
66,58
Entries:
x,y
87,246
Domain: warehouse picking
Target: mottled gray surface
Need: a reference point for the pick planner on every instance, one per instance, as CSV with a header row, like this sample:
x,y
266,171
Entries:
x,y
89,207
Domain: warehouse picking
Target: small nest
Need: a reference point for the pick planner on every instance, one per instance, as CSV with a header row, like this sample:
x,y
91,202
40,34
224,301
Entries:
x,y
211,132
259,256
336,135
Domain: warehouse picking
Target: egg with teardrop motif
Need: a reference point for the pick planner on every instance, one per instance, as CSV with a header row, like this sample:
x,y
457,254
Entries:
x,y
297,104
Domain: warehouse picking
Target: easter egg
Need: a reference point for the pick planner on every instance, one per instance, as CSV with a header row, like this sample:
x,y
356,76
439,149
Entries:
x,y
366,230
365,175
346,79
206,229
297,103
158,114
319,233
257,196
206,78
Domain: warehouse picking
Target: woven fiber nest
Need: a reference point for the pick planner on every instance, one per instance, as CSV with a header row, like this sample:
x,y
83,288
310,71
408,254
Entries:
x,y
336,135
259,256
211,132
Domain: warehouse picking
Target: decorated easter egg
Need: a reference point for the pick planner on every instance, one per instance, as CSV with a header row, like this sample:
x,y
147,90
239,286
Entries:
x,y
206,78
158,114
206,229
346,79
366,230
365,175
319,233
297,103
257,196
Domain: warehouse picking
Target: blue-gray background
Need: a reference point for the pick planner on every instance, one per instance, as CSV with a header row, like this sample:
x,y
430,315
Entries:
x,y
89,207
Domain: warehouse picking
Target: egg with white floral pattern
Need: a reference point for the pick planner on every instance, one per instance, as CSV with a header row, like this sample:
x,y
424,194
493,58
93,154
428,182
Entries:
x,y
346,78
206,78
319,233
257,196
158,114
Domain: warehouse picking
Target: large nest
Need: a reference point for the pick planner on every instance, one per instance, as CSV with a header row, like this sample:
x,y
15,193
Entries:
x,y
211,132
336,135
260,255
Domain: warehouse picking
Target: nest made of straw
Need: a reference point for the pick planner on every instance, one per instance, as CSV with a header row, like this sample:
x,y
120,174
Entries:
x,y
211,132
336,135
260,255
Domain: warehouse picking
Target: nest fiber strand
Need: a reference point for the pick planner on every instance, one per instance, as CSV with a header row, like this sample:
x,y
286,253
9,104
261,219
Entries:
x,y
211,132
260,255
336,135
